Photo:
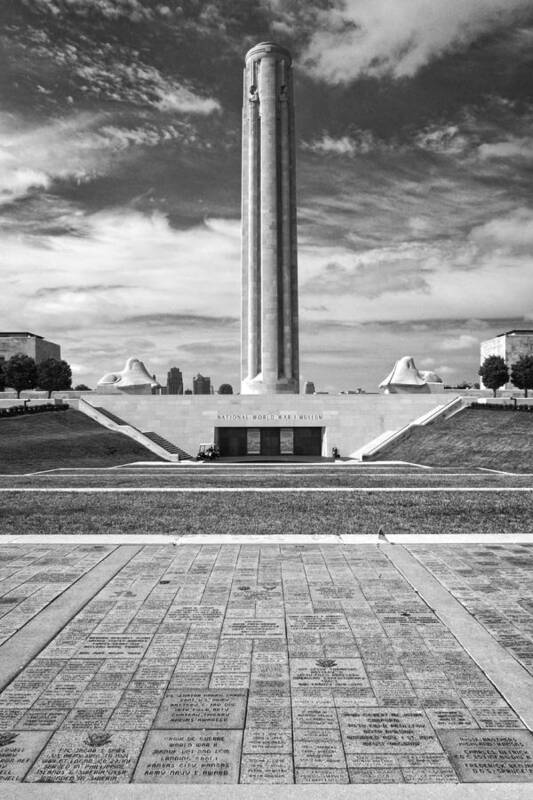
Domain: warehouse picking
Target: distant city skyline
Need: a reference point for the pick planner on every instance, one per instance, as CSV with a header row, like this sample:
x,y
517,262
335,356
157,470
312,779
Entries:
x,y
120,180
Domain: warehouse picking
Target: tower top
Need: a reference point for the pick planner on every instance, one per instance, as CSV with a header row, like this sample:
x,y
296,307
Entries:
x,y
268,48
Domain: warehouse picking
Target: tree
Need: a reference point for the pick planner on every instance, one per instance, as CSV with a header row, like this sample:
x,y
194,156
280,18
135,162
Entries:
x,y
494,373
81,387
522,373
21,373
225,388
53,375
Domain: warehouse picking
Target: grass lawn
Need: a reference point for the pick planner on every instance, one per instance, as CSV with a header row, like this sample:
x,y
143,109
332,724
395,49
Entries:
x,y
339,478
63,438
474,438
297,513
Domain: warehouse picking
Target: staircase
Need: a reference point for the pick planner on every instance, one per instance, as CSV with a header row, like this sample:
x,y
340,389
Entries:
x,y
168,446
109,415
149,439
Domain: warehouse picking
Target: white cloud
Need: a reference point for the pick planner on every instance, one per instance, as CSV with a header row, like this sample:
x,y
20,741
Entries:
x,y
30,158
462,342
115,72
128,284
444,369
374,273
447,139
78,369
139,84
109,9
489,275
511,234
363,141
512,148
420,226
78,147
124,264
17,181
379,37
327,144
184,101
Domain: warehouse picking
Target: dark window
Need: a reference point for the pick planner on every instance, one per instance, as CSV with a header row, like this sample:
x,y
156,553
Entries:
x,y
231,442
308,441
270,442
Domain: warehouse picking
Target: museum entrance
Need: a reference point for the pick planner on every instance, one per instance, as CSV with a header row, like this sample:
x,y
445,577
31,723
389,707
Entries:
x,y
264,442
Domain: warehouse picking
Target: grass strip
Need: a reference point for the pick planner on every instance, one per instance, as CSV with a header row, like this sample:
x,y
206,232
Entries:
x,y
241,514
117,480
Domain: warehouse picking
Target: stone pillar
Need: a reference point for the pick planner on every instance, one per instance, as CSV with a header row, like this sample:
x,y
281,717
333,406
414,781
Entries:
x,y
269,263
253,249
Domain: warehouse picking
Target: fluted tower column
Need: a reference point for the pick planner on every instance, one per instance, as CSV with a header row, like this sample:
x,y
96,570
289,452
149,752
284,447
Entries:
x,y
270,362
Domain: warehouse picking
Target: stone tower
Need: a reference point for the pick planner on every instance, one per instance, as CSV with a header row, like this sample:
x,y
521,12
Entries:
x,y
270,361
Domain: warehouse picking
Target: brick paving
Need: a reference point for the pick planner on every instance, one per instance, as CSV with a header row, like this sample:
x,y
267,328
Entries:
x,y
266,663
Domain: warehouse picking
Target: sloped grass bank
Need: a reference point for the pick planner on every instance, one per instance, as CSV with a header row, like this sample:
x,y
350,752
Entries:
x,y
473,438
65,439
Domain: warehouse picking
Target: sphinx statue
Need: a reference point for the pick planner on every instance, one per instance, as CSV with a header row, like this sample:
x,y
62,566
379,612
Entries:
x,y
133,379
405,379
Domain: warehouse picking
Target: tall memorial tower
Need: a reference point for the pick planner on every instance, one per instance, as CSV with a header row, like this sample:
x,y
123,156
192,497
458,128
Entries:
x,y
270,360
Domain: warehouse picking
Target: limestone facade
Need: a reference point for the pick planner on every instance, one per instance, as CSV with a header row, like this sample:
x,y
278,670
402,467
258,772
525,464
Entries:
x,y
509,346
347,422
30,344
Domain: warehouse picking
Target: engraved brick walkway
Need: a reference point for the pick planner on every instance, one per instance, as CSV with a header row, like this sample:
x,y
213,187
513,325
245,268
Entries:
x,y
266,663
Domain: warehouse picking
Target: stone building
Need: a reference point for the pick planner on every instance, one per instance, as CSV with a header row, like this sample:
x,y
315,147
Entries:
x,y
201,384
174,381
510,346
30,344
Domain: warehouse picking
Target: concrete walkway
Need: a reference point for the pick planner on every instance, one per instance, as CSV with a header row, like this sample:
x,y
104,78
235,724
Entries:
x,y
393,666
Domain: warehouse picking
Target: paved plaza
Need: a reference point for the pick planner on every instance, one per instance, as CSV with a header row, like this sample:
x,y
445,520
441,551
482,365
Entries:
x,y
266,663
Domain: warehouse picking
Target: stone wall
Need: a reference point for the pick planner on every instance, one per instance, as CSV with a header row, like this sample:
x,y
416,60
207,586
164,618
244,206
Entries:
x,y
38,349
349,421
45,350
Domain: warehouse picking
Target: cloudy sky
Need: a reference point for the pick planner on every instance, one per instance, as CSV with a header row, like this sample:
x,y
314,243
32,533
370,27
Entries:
x,y
120,180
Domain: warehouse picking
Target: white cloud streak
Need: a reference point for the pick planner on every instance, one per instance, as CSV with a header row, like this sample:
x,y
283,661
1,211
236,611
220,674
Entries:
x,y
394,37
128,285
141,85
513,148
134,10
78,147
123,264
488,274
360,143
509,235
